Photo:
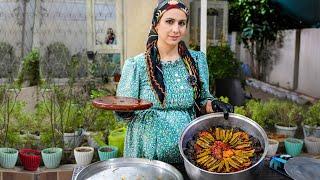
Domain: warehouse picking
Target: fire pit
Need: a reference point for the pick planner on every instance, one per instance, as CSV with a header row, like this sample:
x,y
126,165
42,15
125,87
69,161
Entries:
x,y
215,148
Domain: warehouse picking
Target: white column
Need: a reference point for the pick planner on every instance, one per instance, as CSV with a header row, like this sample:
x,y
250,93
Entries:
x,y
203,27
36,26
90,25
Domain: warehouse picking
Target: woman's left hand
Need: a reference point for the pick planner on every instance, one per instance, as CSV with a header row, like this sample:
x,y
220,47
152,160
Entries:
x,y
209,108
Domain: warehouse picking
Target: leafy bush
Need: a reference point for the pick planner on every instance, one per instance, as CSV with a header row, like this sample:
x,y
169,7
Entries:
x,y
256,111
312,116
9,64
222,63
30,69
240,110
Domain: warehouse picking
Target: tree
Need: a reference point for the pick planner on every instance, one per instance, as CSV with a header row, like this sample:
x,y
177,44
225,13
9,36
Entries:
x,y
259,25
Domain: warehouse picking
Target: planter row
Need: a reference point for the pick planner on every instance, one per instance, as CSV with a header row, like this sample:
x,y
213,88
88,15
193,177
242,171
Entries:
x,y
30,159
308,131
294,146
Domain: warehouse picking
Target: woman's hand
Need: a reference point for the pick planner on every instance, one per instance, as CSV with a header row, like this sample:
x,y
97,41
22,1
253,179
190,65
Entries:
x,y
219,106
209,108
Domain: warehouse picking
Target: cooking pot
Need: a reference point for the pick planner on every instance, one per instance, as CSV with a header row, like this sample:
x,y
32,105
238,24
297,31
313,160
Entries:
x,y
217,119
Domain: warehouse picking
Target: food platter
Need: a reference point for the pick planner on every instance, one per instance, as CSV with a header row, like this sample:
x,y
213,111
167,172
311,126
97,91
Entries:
x,y
118,103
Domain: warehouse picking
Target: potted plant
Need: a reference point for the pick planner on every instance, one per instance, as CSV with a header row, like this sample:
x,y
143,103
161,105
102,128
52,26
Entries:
x,y
116,138
225,73
293,146
8,157
284,115
312,144
83,155
107,152
273,147
257,112
311,123
72,133
51,157
30,159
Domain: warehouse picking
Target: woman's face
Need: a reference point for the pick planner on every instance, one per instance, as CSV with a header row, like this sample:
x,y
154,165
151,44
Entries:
x,y
172,27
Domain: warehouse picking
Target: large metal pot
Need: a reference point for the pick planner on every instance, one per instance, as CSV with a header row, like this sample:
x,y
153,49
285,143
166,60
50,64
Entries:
x,y
129,169
216,119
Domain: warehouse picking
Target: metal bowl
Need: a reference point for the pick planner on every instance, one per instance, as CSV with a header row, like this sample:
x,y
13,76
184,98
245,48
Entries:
x,y
216,119
129,169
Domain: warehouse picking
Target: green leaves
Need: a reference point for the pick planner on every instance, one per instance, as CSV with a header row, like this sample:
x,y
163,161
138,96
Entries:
x,y
30,69
222,63
312,116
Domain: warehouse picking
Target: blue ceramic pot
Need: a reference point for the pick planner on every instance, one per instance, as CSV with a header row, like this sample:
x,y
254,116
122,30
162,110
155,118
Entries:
x,y
293,146
107,152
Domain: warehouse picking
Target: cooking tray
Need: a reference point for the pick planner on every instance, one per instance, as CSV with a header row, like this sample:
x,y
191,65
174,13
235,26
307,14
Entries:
x,y
303,168
118,103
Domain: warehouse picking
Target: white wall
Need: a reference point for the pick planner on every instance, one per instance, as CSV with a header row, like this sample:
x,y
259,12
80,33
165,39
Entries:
x,y
282,62
295,65
309,66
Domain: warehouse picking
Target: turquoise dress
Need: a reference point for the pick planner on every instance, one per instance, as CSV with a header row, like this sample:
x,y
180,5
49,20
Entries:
x,y
155,133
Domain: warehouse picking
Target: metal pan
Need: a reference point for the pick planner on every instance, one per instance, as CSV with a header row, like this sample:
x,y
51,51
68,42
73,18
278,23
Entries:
x,y
129,169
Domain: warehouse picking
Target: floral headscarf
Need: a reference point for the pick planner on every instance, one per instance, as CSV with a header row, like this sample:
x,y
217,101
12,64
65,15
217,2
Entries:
x,y
153,58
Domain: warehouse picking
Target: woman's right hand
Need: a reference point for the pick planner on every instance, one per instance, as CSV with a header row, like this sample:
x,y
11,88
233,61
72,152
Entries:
x,y
125,114
219,106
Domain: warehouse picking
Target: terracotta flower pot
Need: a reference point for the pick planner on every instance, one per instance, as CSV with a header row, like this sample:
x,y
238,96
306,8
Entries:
x,y
30,159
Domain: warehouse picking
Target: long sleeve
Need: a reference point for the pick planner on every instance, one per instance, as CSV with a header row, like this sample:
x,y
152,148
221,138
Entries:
x,y
129,82
128,86
204,76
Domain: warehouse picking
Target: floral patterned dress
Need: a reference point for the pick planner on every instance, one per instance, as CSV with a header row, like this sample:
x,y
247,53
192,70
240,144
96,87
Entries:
x,y
155,133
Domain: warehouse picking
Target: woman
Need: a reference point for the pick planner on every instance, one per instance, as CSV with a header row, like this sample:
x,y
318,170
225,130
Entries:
x,y
173,78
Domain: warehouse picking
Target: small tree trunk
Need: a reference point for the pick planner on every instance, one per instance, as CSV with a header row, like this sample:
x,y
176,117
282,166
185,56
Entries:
x,y
253,64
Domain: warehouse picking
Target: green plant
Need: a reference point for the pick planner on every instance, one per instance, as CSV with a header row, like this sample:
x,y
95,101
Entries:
x,y
99,139
240,110
260,24
9,64
224,99
256,111
30,69
9,108
312,116
283,113
56,60
222,63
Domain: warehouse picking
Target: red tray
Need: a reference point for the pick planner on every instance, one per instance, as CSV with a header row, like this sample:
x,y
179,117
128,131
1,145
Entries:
x,y
118,103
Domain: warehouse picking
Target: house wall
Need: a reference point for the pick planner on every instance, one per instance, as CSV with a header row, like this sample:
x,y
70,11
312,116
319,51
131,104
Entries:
x,y
309,64
137,22
294,62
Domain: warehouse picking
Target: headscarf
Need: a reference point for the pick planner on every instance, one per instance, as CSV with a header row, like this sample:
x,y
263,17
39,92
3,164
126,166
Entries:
x,y
154,66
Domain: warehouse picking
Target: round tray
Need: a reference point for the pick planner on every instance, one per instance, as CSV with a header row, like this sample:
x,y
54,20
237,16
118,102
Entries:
x,y
129,169
303,168
118,103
